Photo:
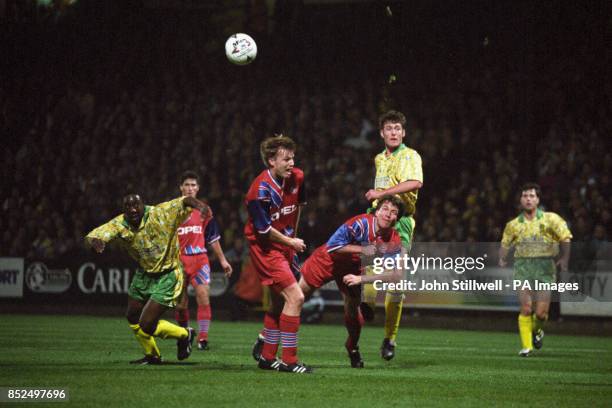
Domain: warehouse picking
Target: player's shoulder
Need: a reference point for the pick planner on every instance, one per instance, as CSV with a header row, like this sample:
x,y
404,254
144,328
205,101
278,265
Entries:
x,y
513,222
409,152
552,217
359,218
297,173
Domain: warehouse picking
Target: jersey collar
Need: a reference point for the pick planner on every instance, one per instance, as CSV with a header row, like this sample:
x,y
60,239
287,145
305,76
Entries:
x,y
539,215
279,185
396,151
143,221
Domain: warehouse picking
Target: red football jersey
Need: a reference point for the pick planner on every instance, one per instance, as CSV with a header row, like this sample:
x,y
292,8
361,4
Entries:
x,y
274,203
196,232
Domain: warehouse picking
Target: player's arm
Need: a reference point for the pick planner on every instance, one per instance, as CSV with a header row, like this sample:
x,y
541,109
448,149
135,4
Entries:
x,y
564,236
403,187
564,254
99,237
506,245
213,238
197,204
259,210
367,250
394,276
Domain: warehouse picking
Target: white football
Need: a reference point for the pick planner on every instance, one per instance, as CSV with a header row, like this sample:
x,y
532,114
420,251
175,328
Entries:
x,y
240,49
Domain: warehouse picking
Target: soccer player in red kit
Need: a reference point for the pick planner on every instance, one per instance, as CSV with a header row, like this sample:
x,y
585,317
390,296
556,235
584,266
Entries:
x,y
273,203
363,235
193,235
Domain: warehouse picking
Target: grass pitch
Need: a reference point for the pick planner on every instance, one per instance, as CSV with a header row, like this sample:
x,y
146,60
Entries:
x,y
89,356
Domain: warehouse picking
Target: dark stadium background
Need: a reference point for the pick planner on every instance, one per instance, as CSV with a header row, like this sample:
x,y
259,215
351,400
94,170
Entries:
x,y
100,98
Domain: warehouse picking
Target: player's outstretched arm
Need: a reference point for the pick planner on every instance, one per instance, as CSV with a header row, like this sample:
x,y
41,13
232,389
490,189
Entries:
x,y
403,187
197,204
353,280
367,250
99,237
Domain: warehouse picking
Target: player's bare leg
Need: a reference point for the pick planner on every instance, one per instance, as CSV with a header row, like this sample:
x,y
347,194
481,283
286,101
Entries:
x,y
525,322
181,310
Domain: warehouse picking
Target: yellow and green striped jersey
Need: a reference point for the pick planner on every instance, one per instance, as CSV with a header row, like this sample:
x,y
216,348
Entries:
x,y
536,238
402,165
153,244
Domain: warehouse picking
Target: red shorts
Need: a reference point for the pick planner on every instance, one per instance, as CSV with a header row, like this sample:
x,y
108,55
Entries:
x,y
273,266
320,268
197,269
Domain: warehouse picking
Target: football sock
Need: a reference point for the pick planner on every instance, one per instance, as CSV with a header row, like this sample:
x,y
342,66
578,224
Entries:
x,y
525,329
393,314
182,317
167,330
353,327
289,326
146,342
538,324
204,316
271,335
368,294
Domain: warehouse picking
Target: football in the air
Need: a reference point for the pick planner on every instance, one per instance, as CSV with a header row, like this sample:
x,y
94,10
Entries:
x,y
240,49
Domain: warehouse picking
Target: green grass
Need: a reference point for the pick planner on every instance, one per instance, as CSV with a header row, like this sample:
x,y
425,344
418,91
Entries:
x,y
432,368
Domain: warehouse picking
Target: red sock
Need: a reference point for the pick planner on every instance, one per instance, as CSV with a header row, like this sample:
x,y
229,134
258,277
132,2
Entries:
x,y
204,317
353,327
271,334
289,326
182,317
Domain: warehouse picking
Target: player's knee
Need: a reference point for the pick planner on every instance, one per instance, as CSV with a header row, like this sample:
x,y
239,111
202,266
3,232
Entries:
x,y
148,326
297,299
526,310
131,316
542,315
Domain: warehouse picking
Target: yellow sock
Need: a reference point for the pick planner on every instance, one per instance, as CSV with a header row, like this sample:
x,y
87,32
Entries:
x,y
146,342
393,314
537,323
525,328
167,330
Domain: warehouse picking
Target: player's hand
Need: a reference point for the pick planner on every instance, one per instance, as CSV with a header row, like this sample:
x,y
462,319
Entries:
x,y
98,245
351,280
562,264
368,250
503,263
227,268
206,211
372,195
298,244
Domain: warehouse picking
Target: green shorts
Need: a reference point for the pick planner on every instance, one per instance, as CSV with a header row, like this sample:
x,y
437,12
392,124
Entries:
x,y
164,288
532,269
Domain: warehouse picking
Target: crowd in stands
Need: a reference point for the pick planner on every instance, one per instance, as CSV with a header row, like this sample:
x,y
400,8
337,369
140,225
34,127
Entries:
x,y
91,117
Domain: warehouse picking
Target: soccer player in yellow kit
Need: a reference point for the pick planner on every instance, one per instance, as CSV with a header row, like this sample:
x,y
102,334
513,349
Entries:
x,y
537,237
398,172
148,234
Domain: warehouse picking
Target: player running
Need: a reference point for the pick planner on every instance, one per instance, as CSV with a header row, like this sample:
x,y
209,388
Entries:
x,y
193,235
363,235
398,172
536,236
148,234
273,203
